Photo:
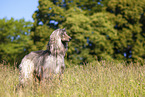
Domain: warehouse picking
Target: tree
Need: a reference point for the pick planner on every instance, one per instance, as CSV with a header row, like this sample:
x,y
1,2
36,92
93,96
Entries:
x,y
14,38
128,22
92,36
78,21
106,29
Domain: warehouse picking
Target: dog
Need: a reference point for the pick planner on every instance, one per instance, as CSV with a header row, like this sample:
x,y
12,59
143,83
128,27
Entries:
x,y
45,63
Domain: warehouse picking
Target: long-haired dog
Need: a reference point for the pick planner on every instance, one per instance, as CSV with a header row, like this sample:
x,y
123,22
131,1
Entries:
x,y
44,63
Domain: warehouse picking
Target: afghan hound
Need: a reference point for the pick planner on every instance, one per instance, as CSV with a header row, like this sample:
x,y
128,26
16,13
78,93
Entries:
x,y
44,63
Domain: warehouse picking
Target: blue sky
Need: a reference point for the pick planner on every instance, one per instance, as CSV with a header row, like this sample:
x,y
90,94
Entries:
x,y
18,9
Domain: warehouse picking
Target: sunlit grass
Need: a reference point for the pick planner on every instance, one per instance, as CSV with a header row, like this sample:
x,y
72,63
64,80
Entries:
x,y
98,79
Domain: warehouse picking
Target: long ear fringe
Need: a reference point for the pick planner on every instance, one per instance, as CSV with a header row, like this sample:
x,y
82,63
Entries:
x,y
51,40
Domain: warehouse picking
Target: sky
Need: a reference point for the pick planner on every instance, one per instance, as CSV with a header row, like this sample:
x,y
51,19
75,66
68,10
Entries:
x,y
18,9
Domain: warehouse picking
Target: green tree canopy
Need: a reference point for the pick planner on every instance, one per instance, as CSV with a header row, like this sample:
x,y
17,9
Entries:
x,y
91,31
101,29
129,16
93,36
14,38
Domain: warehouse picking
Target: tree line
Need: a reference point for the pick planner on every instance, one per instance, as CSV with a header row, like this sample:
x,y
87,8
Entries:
x,y
100,30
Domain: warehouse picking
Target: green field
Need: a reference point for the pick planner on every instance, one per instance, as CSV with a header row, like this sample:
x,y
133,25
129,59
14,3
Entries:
x,y
98,79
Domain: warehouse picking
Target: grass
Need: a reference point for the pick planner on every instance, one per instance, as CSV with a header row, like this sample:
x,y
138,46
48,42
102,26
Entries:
x,y
98,79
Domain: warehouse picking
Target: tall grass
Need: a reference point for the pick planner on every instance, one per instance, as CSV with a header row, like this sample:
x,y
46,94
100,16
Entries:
x,y
98,79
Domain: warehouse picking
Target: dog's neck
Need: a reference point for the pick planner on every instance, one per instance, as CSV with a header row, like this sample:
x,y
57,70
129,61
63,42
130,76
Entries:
x,y
57,48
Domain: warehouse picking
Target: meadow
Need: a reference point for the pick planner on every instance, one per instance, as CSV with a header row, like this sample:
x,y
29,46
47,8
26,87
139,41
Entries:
x,y
97,79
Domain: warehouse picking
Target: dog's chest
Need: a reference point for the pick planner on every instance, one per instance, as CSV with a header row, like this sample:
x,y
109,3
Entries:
x,y
53,63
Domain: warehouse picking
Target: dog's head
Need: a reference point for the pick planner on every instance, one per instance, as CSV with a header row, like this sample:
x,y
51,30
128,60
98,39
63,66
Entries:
x,y
64,36
60,34
58,41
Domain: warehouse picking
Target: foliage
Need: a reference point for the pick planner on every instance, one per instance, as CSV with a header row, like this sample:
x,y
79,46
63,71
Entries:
x,y
80,25
92,36
95,79
99,29
129,24
14,38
